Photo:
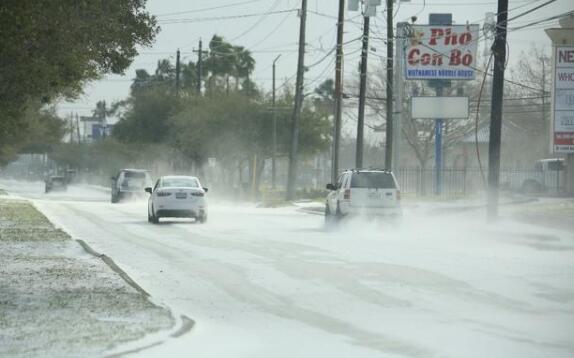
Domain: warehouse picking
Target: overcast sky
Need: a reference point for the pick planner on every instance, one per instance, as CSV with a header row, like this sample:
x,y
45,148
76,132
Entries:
x,y
271,34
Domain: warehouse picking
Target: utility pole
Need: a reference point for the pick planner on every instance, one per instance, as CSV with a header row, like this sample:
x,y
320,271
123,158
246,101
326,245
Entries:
x,y
78,127
292,174
389,80
362,94
402,34
499,51
274,153
71,129
545,123
177,67
200,53
338,93
105,120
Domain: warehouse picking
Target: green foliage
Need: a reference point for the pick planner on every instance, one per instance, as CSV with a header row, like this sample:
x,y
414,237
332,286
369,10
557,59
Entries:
x,y
233,128
97,161
51,49
147,117
37,131
226,60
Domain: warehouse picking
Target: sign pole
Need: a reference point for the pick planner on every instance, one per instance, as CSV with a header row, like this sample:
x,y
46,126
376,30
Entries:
x,y
438,145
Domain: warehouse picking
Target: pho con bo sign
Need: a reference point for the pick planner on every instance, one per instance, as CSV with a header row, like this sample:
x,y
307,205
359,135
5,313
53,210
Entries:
x,y
442,52
563,100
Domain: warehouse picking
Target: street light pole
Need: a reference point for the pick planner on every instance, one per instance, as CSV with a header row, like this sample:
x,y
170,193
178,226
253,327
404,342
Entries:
x,y
274,153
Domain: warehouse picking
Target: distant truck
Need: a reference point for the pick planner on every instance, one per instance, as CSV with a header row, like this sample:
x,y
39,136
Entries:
x,y
548,175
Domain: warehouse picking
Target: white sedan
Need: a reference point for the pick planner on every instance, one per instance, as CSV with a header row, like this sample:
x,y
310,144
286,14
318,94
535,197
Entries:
x,y
177,196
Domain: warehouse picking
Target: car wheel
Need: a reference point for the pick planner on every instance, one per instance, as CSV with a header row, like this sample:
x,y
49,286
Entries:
x,y
152,218
338,214
114,200
329,219
202,219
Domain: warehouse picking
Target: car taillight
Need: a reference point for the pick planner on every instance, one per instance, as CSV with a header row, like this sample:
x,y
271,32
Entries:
x,y
163,193
398,195
347,194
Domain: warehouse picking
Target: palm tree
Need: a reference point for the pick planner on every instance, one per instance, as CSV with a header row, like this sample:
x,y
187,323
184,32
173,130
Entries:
x,y
220,59
244,64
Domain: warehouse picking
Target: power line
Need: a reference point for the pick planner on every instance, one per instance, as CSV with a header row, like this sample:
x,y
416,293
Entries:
x,y
207,8
272,32
259,21
568,13
220,18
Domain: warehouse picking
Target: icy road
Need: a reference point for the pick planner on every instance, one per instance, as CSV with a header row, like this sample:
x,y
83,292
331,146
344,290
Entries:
x,y
274,283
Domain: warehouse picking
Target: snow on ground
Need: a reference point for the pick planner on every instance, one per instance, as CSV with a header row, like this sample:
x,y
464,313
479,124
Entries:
x,y
56,300
275,283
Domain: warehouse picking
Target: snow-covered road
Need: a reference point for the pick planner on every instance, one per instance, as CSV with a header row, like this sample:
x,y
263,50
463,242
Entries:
x,y
275,283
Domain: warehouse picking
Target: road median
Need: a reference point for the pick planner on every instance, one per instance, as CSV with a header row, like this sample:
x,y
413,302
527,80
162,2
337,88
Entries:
x,y
58,300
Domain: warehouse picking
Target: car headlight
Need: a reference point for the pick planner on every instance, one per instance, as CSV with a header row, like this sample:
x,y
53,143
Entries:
x,y
163,193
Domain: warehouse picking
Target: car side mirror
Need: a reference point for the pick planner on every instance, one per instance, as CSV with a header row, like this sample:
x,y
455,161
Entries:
x,y
205,190
331,187
112,178
148,190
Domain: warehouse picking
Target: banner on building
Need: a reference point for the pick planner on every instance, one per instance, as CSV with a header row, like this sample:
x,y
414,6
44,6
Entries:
x,y
442,52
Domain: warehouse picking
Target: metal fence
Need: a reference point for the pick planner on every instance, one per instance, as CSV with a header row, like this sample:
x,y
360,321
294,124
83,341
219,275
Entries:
x,y
461,182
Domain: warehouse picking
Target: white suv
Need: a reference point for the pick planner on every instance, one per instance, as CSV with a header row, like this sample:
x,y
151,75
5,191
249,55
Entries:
x,y
369,192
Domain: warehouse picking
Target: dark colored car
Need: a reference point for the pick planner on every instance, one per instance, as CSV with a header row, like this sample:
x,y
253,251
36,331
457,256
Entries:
x,y
56,183
130,183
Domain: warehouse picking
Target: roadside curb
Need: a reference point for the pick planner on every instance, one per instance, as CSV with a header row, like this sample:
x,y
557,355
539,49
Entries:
x,y
312,211
185,323
108,261
319,210
481,206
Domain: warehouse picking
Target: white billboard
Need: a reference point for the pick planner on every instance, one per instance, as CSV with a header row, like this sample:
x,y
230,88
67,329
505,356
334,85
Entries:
x,y
563,100
439,107
442,52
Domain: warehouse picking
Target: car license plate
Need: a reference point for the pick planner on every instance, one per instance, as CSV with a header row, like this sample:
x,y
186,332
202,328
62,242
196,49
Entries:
x,y
180,195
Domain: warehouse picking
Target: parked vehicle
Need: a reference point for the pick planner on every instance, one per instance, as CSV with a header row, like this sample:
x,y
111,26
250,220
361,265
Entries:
x,y
129,183
177,196
55,183
548,175
368,192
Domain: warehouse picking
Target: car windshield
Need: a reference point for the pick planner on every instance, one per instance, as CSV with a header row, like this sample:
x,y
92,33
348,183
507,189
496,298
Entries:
x,y
378,180
134,175
179,183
